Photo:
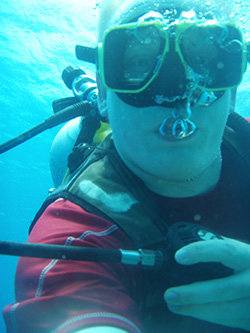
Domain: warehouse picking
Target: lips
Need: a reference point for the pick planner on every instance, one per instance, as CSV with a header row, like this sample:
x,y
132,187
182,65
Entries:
x,y
177,128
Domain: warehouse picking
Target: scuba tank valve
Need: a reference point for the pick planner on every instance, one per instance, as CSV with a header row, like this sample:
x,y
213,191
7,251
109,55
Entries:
x,y
84,103
83,86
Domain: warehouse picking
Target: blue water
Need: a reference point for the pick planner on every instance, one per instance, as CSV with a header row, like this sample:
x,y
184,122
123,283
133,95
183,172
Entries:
x,y
37,42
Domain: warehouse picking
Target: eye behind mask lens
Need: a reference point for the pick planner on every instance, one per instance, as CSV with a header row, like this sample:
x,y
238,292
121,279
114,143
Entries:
x,y
136,56
169,83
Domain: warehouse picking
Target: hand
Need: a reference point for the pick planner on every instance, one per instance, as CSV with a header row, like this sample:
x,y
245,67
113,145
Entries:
x,y
223,301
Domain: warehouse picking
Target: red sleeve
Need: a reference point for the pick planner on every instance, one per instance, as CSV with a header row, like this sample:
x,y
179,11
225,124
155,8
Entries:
x,y
61,296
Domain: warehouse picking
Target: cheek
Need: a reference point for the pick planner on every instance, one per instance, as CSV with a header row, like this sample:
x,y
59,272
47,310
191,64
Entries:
x,y
130,129
212,120
128,136
220,114
120,122
124,119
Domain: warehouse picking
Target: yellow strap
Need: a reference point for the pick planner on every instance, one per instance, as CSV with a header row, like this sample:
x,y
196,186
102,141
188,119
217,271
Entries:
x,y
102,132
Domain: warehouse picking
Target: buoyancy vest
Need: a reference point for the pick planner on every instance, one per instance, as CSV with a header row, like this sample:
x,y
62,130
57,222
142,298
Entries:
x,y
104,186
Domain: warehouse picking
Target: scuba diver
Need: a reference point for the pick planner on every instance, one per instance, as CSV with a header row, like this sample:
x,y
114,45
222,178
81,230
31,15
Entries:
x,y
174,167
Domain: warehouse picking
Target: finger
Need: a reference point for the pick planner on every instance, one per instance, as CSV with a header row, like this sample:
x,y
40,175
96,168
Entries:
x,y
229,252
214,291
233,314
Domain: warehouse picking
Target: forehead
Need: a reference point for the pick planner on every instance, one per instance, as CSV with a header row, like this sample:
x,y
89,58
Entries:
x,y
115,12
132,9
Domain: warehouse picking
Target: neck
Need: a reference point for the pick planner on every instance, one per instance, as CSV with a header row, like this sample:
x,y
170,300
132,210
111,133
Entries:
x,y
185,186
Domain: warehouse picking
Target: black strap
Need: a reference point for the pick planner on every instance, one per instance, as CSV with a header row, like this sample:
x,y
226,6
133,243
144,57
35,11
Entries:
x,y
237,134
83,145
139,190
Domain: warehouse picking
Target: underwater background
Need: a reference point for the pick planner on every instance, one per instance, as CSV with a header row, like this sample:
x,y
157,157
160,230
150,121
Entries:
x,y
37,41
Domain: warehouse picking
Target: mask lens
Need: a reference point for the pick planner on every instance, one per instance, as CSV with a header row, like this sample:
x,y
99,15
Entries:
x,y
132,56
215,53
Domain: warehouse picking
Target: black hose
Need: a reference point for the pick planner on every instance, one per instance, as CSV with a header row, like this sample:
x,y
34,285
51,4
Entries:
x,y
59,252
145,258
76,110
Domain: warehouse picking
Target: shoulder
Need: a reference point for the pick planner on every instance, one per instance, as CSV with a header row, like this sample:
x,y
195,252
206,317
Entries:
x,y
64,219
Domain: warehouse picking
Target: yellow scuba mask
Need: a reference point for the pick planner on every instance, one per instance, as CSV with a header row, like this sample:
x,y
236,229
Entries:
x,y
169,60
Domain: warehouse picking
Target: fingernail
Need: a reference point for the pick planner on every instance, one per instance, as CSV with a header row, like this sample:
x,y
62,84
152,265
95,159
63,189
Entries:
x,y
181,256
171,297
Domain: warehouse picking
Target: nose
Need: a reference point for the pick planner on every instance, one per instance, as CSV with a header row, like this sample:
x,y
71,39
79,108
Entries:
x,y
171,80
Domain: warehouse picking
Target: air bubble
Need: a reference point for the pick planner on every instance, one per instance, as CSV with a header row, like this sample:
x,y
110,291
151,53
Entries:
x,y
220,65
197,217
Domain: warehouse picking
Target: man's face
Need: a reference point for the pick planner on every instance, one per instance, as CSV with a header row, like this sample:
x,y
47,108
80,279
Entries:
x,y
144,149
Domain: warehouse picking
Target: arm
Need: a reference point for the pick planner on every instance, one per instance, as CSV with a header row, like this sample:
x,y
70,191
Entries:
x,y
70,295
223,301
